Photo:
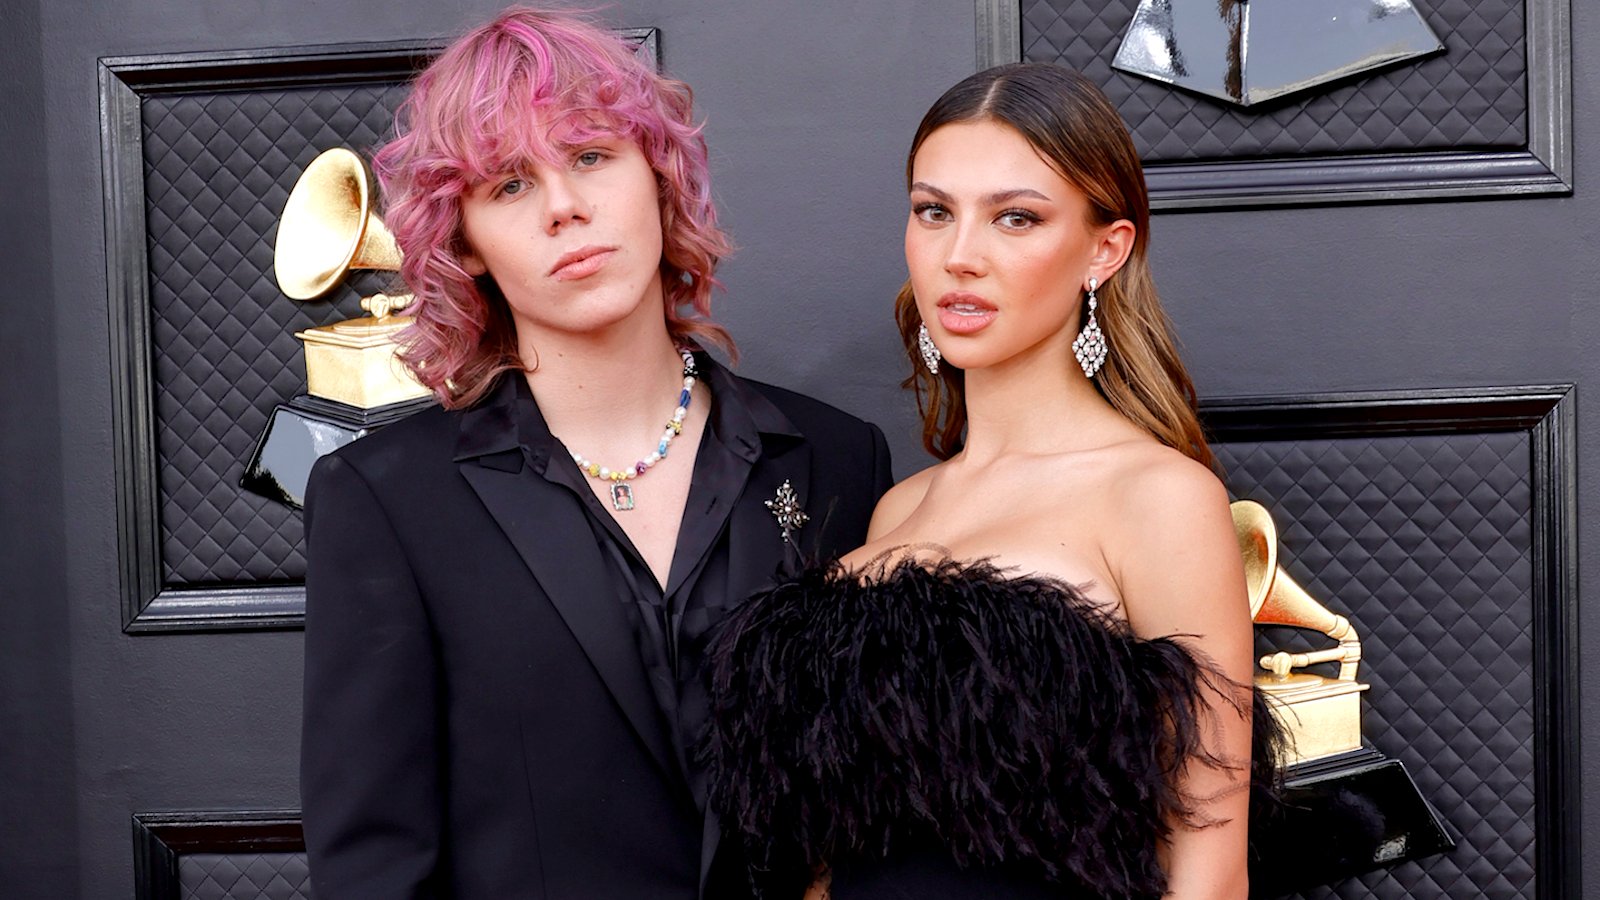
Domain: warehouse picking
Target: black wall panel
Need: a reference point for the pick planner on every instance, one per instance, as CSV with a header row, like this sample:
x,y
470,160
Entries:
x,y
1425,544
810,109
1473,96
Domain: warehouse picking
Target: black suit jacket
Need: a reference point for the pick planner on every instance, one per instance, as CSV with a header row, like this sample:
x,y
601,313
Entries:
x,y
478,721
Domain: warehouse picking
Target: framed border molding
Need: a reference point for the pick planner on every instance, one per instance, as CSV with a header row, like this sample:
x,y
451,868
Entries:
x,y
160,838
148,603
1543,167
1545,413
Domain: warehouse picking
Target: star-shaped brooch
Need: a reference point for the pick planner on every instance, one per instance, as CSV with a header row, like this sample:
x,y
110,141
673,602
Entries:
x,y
786,509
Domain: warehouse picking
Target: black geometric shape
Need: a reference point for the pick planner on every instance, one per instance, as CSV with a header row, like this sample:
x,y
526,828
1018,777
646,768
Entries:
x,y
1341,817
301,431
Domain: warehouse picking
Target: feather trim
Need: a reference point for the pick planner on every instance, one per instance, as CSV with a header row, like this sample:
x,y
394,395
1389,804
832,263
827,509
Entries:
x,y
1008,719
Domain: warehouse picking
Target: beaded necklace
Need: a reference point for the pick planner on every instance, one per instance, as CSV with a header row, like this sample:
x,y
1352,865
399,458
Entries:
x,y
621,491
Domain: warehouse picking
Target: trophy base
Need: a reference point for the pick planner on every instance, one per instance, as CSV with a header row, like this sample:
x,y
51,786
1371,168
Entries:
x,y
301,431
1342,816
353,362
1322,714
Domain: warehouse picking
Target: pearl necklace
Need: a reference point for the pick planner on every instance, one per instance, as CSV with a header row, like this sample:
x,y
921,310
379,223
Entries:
x,y
621,491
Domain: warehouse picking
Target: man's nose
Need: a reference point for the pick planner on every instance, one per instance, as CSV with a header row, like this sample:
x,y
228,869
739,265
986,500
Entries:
x,y
564,203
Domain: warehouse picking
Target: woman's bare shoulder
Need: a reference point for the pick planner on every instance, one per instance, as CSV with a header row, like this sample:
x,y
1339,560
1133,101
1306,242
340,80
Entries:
x,y
899,502
1172,537
1155,483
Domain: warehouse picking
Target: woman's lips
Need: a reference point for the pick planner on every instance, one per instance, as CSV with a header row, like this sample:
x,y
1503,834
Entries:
x,y
581,263
960,314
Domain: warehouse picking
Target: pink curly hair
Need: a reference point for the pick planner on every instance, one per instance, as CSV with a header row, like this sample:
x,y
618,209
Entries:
x,y
521,87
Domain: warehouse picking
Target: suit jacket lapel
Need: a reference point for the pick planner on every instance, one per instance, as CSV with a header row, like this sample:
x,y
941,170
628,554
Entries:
x,y
778,454
757,552
546,525
757,555
710,839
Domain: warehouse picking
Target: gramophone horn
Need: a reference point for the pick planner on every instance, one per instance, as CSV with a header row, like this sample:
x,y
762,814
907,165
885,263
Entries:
x,y
1258,544
1275,598
328,227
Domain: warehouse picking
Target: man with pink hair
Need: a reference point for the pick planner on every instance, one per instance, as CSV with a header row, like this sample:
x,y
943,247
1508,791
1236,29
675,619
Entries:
x,y
508,596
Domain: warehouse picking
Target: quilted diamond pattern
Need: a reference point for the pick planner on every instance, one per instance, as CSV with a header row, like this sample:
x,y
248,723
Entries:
x,y
1425,543
244,876
218,168
1473,96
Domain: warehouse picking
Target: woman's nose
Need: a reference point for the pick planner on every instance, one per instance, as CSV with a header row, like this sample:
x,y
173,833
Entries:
x,y
964,256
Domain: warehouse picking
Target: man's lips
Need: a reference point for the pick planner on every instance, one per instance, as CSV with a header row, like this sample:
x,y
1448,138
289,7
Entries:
x,y
963,313
580,263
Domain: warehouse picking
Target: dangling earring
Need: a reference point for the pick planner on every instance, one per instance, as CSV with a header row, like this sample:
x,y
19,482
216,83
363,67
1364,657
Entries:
x,y
1090,347
930,353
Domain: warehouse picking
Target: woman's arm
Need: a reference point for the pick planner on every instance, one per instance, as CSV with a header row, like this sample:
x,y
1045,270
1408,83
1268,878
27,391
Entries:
x,y
369,781
1180,573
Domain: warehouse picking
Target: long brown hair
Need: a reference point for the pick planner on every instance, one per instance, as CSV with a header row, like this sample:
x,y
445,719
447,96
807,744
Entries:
x,y
1074,128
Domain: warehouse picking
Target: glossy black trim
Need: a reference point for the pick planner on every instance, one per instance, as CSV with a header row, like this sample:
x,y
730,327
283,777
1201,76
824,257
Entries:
x,y
1546,413
160,838
1543,167
149,605
1429,411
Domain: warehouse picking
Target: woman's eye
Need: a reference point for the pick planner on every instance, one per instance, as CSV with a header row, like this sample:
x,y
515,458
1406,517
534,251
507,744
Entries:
x,y
590,158
931,212
512,186
1017,218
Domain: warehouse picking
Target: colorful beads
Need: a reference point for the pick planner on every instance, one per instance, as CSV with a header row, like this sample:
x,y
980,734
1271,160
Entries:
x,y
673,429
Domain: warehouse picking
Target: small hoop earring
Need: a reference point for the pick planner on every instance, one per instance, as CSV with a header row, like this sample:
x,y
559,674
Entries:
x,y
1090,347
930,352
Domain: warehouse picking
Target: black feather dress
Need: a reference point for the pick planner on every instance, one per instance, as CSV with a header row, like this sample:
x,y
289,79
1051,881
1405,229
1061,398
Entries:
x,y
953,731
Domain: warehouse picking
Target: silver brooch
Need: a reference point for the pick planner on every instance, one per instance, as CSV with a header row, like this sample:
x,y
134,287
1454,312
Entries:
x,y
786,509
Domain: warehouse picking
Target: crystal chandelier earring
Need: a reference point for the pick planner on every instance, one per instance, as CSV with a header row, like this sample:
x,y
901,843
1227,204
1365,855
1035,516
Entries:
x,y
1090,347
930,353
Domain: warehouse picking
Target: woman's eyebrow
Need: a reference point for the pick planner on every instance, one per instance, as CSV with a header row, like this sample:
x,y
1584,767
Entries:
x,y
994,199
999,197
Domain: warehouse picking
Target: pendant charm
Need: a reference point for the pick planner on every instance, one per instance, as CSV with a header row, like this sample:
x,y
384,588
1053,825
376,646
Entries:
x,y
621,496
786,509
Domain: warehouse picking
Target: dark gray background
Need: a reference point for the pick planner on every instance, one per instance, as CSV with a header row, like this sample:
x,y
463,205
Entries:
x,y
810,107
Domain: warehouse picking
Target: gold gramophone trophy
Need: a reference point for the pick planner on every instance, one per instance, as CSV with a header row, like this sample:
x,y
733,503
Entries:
x,y
354,382
1323,714
1347,807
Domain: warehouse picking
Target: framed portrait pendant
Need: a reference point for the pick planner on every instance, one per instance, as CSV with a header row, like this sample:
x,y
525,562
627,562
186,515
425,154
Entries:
x,y
621,496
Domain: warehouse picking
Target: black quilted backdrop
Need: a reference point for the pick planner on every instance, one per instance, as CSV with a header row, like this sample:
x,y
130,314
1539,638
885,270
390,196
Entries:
x,y
1473,96
243,876
1425,542
218,168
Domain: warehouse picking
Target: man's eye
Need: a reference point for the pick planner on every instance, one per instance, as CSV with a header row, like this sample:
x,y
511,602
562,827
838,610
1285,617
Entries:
x,y
590,158
513,186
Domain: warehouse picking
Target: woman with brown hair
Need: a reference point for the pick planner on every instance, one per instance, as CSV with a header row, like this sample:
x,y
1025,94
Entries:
x,y
1033,678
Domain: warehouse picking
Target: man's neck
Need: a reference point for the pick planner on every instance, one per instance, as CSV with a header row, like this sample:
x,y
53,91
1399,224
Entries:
x,y
612,392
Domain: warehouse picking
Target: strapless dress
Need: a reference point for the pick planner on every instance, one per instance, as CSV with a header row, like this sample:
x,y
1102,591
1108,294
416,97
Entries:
x,y
953,730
